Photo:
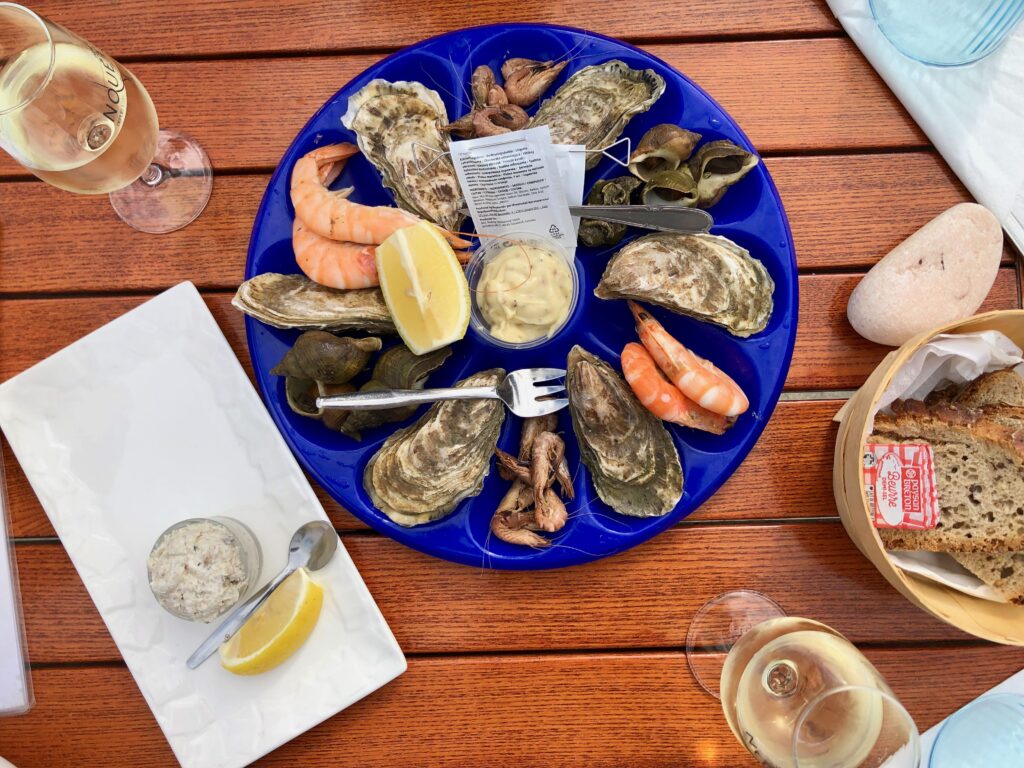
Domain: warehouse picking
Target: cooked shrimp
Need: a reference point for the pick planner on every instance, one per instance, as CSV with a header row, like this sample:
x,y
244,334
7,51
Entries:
x,y
696,377
338,264
661,397
329,213
513,522
334,263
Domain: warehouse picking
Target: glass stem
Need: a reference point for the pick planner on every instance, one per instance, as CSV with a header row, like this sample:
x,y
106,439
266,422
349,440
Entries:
x,y
781,679
153,175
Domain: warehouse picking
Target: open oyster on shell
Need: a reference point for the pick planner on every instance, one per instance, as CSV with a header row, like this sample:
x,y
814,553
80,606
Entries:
x,y
631,457
423,471
664,147
594,105
707,277
397,126
295,301
717,166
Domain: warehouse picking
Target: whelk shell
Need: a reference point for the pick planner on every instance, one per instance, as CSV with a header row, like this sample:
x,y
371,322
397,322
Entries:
x,y
675,187
295,301
594,105
617,191
707,277
397,125
423,471
324,357
663,148
717,166
397,368
632,460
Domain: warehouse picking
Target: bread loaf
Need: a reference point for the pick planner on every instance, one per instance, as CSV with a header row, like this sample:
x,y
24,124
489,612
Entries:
x,y
1003,571
979,478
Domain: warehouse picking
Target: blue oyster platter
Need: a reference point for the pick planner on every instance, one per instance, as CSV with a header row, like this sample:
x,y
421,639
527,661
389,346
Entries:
x,y
750,214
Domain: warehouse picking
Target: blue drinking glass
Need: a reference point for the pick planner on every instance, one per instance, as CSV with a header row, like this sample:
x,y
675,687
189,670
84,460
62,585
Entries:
x,y
987,733
947,32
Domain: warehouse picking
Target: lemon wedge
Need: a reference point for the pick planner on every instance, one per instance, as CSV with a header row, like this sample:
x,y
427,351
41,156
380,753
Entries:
x,y
277,629
424,287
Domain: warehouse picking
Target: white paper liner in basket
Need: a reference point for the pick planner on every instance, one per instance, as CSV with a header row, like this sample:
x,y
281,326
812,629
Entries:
x,y
949,358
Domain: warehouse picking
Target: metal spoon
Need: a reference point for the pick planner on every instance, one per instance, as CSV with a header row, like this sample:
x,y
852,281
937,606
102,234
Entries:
x,y
312,547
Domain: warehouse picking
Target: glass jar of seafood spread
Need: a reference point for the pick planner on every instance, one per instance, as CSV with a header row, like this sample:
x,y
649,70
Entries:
x,y
201,568
524,288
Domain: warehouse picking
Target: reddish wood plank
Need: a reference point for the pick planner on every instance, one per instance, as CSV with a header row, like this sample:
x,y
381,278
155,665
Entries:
x,y
608,711
805,94
85,248
835,204
189,27
643,598
829,355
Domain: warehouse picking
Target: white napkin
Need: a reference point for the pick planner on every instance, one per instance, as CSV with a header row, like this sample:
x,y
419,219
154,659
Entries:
x,y
15,682
974,115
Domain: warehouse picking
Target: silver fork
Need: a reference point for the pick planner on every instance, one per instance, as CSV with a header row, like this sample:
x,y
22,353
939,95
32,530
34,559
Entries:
x,y
519,390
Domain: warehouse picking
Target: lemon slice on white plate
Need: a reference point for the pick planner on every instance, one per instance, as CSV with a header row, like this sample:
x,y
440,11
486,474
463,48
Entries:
x,y
424,287
277,629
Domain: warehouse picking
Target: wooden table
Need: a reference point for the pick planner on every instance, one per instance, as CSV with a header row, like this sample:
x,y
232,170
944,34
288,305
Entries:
x,y
577,667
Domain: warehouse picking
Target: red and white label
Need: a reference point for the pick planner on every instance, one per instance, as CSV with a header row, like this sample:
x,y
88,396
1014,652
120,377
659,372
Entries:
x,y
900,485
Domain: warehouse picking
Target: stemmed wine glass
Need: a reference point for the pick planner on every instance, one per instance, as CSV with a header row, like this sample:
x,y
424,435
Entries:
x,y
80,121
796,693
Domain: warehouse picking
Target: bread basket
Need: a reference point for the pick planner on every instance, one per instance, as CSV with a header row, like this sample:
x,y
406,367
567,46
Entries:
x,y
998,622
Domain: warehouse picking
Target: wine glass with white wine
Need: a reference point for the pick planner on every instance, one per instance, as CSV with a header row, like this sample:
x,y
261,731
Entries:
x,y
80,121
796,693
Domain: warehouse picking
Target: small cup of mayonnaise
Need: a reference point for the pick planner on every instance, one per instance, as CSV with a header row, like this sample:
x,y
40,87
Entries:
x,y
524,287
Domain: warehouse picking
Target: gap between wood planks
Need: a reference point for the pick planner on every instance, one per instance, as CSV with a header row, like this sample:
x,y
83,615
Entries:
x,y
639,41
556,652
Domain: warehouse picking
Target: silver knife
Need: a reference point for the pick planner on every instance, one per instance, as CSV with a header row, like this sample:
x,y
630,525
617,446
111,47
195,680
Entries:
x,y
662,218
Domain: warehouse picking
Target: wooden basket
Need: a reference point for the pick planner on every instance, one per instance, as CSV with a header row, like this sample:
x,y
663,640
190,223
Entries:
x,y
998,622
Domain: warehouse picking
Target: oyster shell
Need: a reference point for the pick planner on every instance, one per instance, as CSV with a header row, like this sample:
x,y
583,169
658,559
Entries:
x,y
391,122
664,147
631,457
295,301
716,167
327,358
593,106
675,187
398,368
617,191
704,276
423,471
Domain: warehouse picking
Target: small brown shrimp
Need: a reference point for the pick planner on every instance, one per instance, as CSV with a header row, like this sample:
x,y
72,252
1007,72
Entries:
x,y
695,377
492,121
520,536
661,397
548,452
510,468
531,428
550,512
526,79
513,522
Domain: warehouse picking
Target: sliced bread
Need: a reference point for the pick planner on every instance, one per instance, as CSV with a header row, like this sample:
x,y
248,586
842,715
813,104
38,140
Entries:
x,y
1005,387
1003,571
979,478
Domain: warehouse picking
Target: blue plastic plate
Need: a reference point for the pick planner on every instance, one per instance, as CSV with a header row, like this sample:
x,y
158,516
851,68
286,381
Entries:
x,y
751,214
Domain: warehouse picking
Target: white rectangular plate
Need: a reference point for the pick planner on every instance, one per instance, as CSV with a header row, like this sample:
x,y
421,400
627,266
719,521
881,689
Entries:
x,y
150,420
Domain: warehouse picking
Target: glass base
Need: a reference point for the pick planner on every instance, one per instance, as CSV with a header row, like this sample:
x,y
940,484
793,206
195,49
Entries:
x,y
172,192
717,627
